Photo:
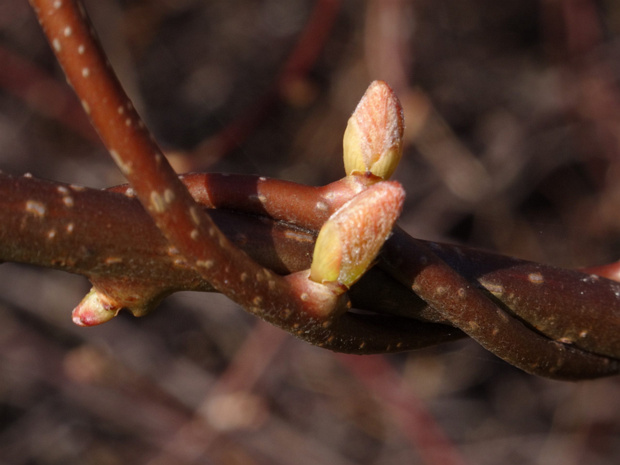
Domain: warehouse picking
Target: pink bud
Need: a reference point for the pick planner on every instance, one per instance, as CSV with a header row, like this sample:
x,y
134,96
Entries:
x,y
373,140
94,309
351,238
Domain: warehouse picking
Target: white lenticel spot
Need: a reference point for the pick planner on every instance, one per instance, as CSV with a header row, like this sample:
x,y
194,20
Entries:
x,y
494,288
86,106
194,234
51,234
193,211
85,72
321,206
168,196
35,208
536,278
63,190
157,203
70,228
68,201
57,4
81,49
126,168
205,263
67,31
56,45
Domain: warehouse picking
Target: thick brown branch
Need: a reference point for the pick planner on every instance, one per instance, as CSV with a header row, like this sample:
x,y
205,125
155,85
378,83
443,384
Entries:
x,y
565,305
461,302
568,306
76,229
43,211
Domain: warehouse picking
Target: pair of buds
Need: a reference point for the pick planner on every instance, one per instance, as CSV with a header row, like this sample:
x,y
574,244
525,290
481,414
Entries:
x,y
351,238
349,241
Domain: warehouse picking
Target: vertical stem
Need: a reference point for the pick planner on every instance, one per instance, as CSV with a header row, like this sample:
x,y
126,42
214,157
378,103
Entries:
x,y
141,160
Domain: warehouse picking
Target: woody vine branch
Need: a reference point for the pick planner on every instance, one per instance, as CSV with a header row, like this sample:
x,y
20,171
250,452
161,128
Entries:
x,y
551,322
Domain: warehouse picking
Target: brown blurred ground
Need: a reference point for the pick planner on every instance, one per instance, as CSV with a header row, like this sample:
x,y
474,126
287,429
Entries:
x,y
513,115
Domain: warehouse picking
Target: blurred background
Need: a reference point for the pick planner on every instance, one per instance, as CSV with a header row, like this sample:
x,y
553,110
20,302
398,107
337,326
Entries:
x,y
512,144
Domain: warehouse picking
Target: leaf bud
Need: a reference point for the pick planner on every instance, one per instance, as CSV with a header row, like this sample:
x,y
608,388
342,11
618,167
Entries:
x,y
351,238
373,139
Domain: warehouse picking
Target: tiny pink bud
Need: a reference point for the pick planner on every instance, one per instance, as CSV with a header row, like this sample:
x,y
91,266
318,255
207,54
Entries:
x,y
94,309
351,238
373,139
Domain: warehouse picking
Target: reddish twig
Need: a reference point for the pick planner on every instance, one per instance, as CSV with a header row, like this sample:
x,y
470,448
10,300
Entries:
x,y
488,271
462,303
532,291
293,303
509,306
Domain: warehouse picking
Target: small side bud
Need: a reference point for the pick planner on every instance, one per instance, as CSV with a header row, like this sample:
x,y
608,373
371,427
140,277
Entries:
x,y
108,296
94,309
373,139
351,238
